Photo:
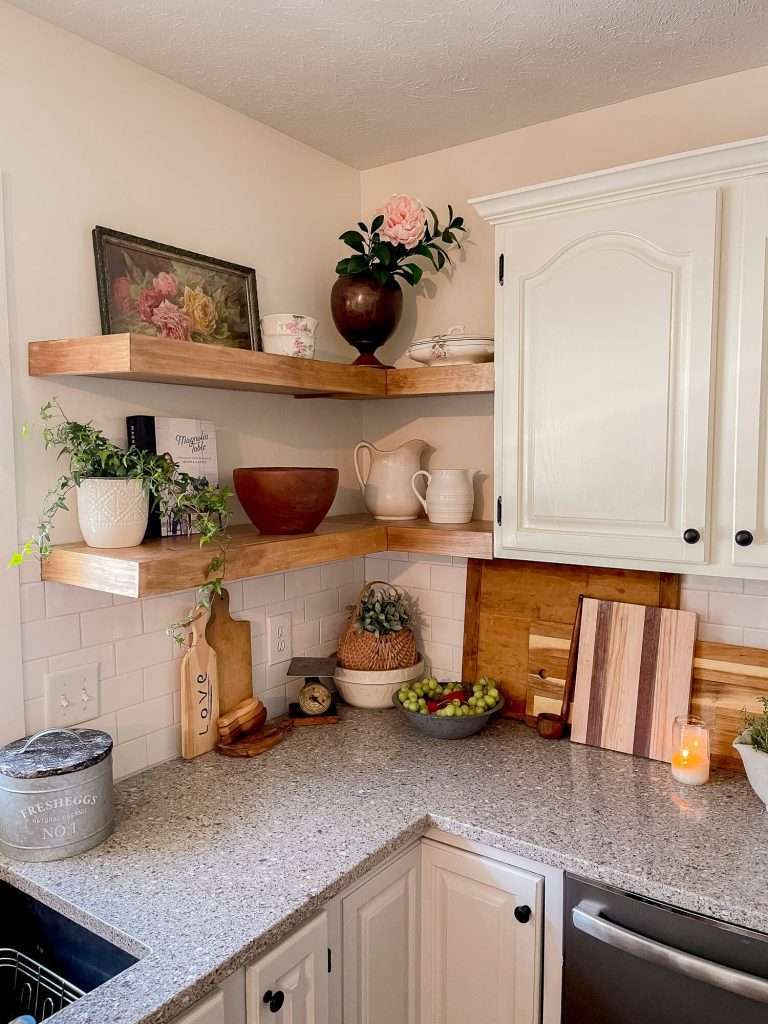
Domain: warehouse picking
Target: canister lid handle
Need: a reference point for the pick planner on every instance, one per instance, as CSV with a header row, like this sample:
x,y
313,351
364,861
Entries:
x,y
47,732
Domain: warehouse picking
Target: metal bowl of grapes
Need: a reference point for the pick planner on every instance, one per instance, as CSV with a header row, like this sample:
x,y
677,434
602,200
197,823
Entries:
x,y
449,711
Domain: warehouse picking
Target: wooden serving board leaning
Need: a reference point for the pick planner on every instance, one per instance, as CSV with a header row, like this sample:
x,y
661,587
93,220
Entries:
x,y
231,640
633,676
199,693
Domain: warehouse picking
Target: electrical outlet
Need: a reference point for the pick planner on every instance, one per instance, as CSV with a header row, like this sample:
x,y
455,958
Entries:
x,y
279,633
71,696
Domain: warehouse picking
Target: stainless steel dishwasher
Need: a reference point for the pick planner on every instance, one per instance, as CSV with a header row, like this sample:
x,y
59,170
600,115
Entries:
x,y
629,960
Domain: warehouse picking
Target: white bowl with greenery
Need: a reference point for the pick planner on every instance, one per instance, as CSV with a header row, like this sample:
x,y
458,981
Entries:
x,y
752,745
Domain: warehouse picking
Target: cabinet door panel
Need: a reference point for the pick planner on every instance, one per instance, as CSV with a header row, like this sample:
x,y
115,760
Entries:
x,y
605,379
750,506
479,963
381,946
298,968
208,1011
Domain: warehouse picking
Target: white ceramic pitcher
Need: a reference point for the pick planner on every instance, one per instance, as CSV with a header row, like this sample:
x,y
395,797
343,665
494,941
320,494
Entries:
x,y
387,489
450,495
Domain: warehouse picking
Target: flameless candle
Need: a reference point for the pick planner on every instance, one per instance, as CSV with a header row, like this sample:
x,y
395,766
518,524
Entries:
x,y
690,750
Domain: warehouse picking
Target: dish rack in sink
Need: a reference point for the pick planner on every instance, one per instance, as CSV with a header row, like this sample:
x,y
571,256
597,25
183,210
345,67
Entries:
x,y
27,986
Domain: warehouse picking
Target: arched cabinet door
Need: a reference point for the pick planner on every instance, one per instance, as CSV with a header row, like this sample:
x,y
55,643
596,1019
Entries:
x,y
606,318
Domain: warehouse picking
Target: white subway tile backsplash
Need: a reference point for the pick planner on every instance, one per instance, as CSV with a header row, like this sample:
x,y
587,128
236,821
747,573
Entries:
x,y
164,745
722,584
447,631
729,609
398,556
258,648
277,674
451,578
332,626
275,701
433,602
259,679
439,654
34,715
305,635
161,679
321,605
295,606
44,637
104,654
29,571
756,638
263,590
143,651
235,591
695,601
121,692
162,612
60,599
431,559
376,568
130,758
459,601
410,574
335,574
141,719
107,624
34,678
303,582
756,587
257,618
33,601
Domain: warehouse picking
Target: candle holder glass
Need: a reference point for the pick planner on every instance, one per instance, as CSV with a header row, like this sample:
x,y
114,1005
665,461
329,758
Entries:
x,y
690,750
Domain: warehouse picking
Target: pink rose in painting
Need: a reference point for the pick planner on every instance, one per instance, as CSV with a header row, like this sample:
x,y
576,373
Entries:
x,y
405,221
172,322
121,293
166,284
149,300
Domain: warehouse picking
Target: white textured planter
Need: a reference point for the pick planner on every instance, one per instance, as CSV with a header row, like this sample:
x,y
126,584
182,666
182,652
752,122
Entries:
x,y
374,689
112,513
756,767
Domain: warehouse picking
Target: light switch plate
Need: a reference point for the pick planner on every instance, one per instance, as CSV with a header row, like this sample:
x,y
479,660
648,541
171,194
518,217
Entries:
x,y
280,639
71,696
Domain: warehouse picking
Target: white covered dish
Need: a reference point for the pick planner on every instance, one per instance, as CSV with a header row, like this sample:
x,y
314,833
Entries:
x,y
455,346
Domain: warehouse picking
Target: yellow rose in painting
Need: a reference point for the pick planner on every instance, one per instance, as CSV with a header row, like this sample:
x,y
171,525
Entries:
x,y
201,309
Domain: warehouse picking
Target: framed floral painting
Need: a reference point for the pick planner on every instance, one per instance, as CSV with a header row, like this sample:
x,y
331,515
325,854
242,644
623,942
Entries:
x,y
149,288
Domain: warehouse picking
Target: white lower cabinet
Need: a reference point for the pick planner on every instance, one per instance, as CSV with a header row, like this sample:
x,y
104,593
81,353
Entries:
x,y
481,939
439,935
208,1011
380,926
290,984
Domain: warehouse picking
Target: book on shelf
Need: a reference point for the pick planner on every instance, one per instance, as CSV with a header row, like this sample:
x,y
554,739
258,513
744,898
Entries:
x,y
191,444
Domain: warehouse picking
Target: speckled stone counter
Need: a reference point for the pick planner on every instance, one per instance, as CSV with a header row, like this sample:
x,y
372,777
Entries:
x,y
214,860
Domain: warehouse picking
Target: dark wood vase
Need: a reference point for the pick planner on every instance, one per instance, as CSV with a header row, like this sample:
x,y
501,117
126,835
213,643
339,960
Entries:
x,y
366,313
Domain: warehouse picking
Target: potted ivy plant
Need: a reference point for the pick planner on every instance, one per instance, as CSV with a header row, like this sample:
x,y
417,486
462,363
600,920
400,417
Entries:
x,y
115,488
752,745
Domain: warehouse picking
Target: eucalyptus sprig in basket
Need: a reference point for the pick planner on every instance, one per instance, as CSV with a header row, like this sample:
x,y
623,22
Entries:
x,y
379,637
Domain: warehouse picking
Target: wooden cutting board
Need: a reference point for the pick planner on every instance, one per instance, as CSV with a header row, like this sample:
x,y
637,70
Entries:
x,y
231,640
199,693
505,597
549,644
727,680
633,676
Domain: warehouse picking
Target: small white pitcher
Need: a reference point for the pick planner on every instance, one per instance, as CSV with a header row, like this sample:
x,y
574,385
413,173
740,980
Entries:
x,y
450,496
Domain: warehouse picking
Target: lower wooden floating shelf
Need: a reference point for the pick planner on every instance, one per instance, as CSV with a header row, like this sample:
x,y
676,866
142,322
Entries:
x,y
179,563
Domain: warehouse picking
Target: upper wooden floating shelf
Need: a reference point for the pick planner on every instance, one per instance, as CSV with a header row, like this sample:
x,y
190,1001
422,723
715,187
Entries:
x,y
179,563
165,361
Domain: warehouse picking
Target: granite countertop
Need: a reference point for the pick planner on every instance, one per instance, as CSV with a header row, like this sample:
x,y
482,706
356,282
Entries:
x,y
214,860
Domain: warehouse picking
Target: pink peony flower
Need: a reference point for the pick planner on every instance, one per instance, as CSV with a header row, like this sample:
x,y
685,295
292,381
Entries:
x,y
172,322
121,293
405,221
166,284
149,300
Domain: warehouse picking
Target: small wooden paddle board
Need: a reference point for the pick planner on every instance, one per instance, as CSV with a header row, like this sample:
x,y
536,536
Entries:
x,y
231,640
199,693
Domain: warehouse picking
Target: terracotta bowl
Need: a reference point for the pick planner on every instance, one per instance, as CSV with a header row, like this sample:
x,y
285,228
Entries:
x,y
283,500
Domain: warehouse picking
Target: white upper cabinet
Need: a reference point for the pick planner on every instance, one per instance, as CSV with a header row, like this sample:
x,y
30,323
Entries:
x,y
632,365
750,443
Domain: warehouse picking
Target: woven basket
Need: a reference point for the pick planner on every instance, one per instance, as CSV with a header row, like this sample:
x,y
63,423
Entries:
x,y
367,652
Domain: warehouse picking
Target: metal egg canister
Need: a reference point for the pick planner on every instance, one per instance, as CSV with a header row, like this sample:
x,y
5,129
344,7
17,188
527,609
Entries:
x,y
55,794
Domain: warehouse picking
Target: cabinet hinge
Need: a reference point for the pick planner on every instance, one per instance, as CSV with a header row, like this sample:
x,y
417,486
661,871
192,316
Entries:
x,y
330,960
501,268
498,510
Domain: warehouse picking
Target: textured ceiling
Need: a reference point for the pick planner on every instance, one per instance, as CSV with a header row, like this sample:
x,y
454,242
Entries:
x,y
370,81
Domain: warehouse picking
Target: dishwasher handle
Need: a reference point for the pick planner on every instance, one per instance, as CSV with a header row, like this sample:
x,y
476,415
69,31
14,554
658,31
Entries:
x,y
586,917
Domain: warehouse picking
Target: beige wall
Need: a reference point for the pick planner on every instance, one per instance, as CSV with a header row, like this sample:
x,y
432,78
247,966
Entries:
x,y
705,114
90,138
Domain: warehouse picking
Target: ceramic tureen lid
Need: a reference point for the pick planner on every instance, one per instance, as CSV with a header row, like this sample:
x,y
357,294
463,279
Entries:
x,y
457,335
54,752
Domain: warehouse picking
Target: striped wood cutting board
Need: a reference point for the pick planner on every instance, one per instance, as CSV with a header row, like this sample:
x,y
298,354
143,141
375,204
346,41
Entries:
x,y
633,676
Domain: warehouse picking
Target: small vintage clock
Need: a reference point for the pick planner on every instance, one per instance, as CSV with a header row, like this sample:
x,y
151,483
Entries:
x,y
315,703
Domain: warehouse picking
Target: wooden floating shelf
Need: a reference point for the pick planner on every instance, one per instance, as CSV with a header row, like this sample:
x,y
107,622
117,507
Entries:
x,y
156,360
178,563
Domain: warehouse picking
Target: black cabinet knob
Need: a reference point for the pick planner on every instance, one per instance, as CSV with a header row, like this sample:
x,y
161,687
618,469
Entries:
x,y
691,536
274,1000
743,538
523,914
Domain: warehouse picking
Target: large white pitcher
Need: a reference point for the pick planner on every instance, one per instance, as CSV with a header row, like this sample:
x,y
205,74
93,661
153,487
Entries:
x,y
386,488
450,495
